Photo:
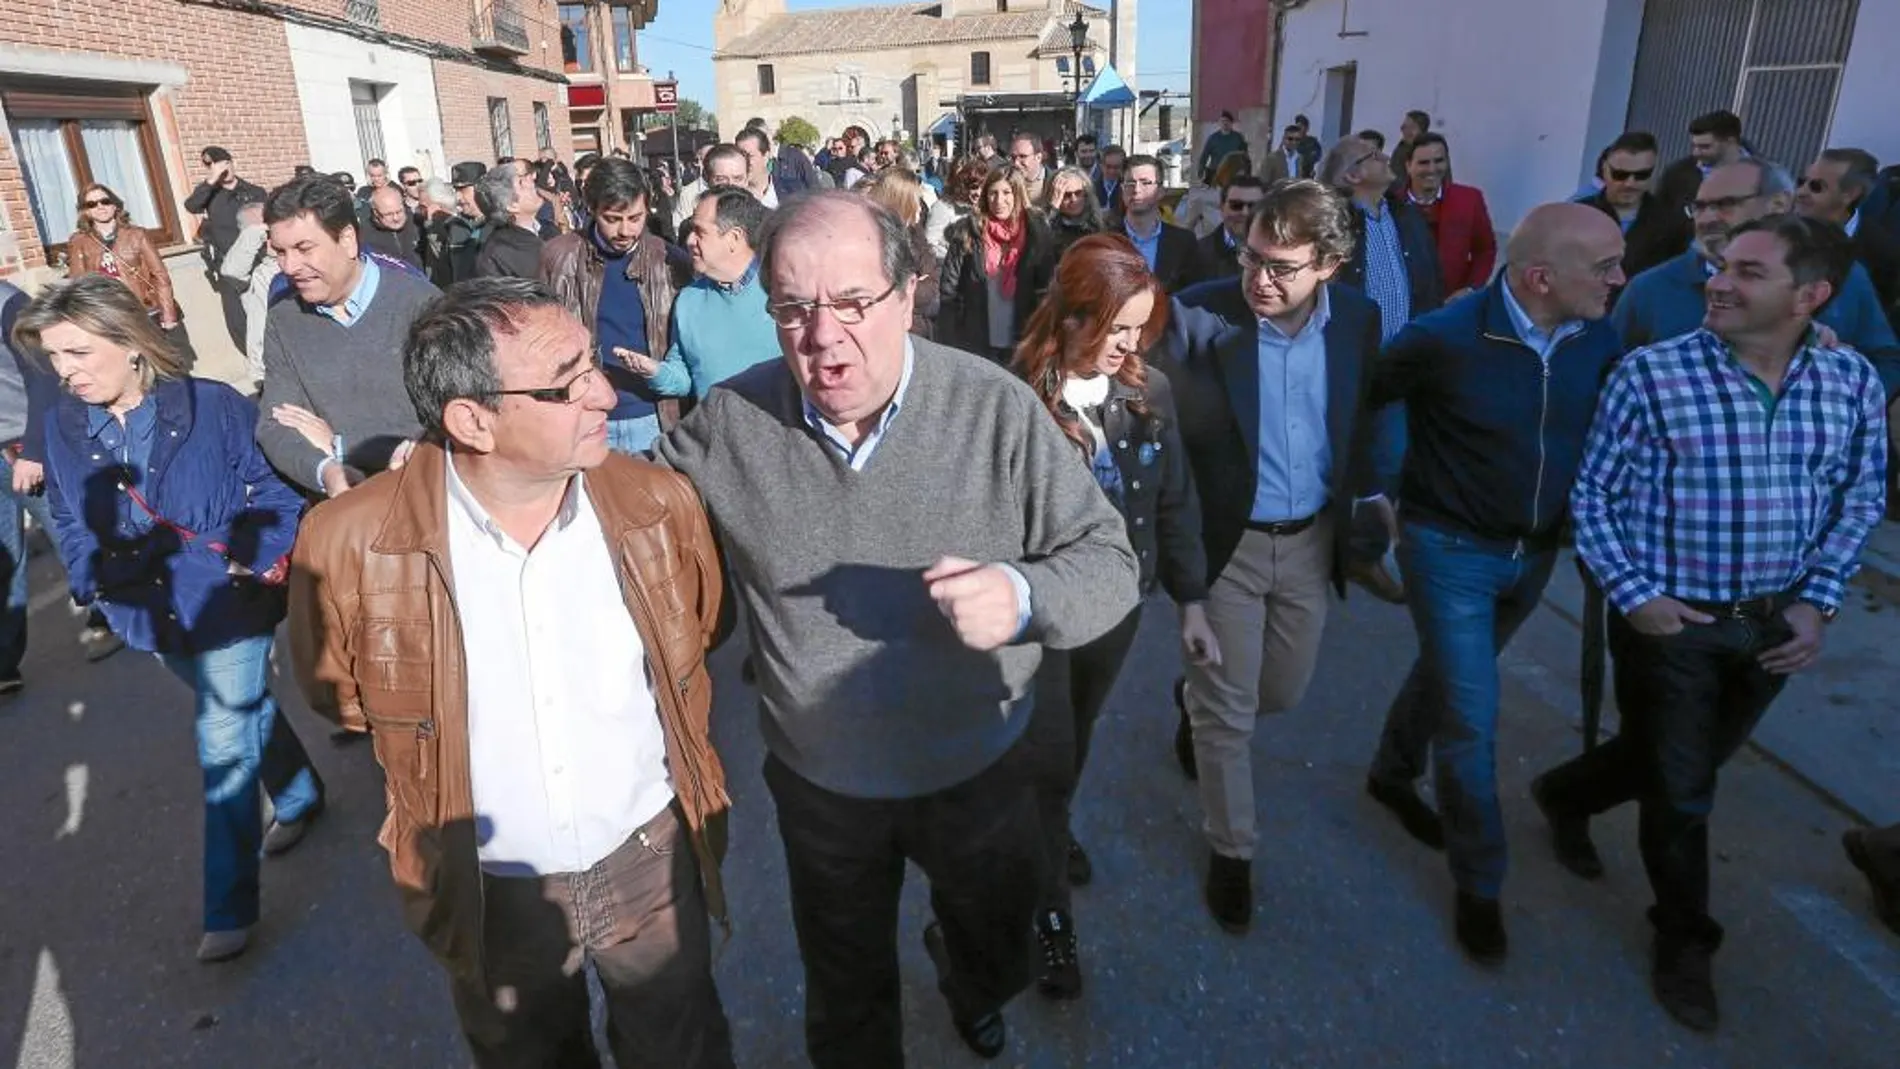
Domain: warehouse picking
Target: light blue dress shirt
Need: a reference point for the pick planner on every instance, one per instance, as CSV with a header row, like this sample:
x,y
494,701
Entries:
x,y
1295,465
1149,247
1543,344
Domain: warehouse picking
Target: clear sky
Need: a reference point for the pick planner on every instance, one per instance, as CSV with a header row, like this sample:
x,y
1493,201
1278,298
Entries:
x,y
681,40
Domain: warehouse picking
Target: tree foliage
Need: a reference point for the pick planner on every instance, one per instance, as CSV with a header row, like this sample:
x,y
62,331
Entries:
x,y
799,132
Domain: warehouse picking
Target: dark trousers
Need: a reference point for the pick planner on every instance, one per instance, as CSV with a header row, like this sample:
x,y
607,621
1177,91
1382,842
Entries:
x,y
1688,702
978,844
1072,686
231,297
639,916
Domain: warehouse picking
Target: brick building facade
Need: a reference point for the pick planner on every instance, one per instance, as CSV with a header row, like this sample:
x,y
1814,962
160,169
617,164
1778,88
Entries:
x,y
128,93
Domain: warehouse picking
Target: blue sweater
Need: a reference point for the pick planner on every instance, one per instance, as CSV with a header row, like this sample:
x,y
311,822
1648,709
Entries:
x,y
1496,437
717,333
621,320
1666,301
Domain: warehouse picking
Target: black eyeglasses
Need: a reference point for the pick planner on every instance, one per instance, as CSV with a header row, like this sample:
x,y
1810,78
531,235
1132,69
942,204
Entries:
x,y
98,203
1355,164
1277,270
1617,174
1720,206
1241,205
569,393
850,311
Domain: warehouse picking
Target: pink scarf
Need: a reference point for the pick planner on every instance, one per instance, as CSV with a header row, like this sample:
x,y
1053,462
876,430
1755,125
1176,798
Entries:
x,y
1003,241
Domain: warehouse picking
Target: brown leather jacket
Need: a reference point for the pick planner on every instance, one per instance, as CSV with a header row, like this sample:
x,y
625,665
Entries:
x,y
571,266
139,265
378,647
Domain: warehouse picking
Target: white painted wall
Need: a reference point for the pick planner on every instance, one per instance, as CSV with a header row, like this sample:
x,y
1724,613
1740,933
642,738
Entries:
x,y
325,63
1864,116
1508,82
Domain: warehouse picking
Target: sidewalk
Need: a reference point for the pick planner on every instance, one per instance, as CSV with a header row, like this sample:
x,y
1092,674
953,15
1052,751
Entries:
x,y
1836,727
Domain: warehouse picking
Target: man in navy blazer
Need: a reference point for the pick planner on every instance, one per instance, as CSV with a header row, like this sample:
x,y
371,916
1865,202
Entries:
x,y
1270,372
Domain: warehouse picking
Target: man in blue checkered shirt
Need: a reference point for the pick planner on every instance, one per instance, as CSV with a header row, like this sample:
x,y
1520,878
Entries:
x,y
1731,481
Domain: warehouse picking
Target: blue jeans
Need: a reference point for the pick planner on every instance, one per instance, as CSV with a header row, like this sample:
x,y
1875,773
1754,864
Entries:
x,y
633,436
1467,600
12,573
243,740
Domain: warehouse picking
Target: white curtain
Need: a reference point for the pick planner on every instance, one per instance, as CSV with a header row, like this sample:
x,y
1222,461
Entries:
x,y
118,162
51,186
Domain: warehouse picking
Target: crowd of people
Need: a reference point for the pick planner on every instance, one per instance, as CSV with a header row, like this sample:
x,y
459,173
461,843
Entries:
x,y
521,443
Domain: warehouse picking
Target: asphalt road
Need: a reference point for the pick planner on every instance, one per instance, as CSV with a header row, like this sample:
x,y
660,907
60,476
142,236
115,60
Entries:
x,y
1351,961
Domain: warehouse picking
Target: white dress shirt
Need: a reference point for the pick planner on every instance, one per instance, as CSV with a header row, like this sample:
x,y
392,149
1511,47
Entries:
x,y
565,749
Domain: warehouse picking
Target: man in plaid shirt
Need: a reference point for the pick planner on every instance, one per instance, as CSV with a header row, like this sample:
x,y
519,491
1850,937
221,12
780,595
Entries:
x,y
1731,481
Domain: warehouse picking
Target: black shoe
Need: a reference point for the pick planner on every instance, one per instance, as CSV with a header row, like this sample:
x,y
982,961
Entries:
x,y
1886,890
11,685
1080,869
1230,892
1184,734
1419,820
1061,971
987,1035
1683,979
1569,836
100,643
1481,929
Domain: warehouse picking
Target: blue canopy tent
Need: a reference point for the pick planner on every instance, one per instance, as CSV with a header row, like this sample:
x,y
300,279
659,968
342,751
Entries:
x,y
1108,91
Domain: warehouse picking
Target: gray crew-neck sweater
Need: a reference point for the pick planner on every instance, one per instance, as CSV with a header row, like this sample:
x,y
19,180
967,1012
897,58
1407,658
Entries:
x,y
349,375
865,689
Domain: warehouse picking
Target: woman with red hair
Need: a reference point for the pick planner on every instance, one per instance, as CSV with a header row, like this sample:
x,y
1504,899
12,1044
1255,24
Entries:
x,y
1081,353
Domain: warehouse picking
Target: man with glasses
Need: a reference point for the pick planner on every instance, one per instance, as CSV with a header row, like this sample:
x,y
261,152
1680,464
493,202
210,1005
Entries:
x,y
1652,232
1269,372
1220,251
540,709
218,199
1456,215
1394,260
909,528
1833,190
1026,159
1668,300
1732,479
1171,251
1500,389
392,229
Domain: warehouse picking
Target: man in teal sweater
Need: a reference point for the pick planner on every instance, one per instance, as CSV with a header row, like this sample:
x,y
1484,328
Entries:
x,y
720,326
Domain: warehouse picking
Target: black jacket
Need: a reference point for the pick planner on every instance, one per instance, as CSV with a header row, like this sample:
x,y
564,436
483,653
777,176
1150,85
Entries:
x,y
510,252
1156,499
1658,234
220,207
1178,260
1211,357
404,244
1421,256
1878,250
963,319
1218,258
1064,232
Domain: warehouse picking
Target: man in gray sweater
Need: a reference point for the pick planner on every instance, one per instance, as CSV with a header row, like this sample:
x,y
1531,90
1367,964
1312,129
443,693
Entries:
x,y
334,410
908,528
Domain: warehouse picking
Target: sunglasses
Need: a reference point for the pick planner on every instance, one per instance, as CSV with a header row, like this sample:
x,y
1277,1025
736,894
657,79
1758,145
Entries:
x,y
1619,175
1241,205
412,181
98,203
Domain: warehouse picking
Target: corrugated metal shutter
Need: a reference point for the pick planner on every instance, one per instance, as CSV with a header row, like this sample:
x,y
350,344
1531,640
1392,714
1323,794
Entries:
x,y
1776,63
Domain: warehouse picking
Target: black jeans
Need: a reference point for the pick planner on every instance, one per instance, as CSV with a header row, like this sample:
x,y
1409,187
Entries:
x,y
1688,702
1072,686
977,843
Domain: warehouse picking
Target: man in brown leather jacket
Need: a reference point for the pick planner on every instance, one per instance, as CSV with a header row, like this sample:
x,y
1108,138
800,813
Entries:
x,y
520,619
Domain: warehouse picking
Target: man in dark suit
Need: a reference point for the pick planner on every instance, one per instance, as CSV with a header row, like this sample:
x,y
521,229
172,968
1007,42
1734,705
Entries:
x,y
1170,250
1834,189
1220,250
1280,461
1108,178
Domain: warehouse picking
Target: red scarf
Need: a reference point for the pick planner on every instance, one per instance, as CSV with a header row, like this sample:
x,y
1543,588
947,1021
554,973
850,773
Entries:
x,y
1003,241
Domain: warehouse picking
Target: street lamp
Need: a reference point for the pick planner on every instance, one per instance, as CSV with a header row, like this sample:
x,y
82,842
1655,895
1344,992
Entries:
x,y
1078,41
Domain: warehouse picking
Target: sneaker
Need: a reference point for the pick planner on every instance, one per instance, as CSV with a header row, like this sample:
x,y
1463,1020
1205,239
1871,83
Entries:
x,y
100,643
1061,973
282,837
223,946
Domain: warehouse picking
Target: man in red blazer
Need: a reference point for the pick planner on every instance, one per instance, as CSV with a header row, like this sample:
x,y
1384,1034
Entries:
x,y
1461,224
